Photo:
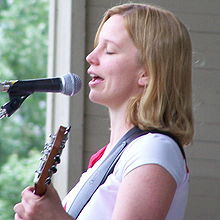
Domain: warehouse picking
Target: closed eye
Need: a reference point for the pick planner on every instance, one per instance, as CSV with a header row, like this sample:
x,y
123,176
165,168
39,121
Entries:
x,y
109,53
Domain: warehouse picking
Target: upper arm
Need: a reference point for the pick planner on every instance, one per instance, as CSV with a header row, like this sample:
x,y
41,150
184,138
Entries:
x,y
145,193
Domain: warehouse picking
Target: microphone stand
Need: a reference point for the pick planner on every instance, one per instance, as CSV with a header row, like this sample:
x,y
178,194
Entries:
x,y
9,108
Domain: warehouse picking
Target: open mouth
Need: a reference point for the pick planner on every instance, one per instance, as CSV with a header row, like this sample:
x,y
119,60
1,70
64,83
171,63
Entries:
x,y
96,78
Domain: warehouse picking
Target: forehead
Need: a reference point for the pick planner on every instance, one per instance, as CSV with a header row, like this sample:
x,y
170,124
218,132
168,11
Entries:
x,y
114,29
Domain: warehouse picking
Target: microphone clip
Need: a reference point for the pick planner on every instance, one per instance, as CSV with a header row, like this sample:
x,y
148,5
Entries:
x,y
9,108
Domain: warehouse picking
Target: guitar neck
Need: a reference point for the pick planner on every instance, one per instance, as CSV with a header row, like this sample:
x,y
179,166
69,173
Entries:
x,y
48,162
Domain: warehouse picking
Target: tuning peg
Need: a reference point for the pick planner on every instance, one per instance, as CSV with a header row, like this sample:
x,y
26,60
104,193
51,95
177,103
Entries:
x,y
48,181
53,169
57,159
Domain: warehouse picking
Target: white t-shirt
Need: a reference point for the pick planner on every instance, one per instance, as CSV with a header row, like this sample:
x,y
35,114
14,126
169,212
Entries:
x,y
147,149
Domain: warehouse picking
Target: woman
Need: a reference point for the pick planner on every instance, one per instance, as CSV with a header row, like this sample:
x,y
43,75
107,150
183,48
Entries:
x,y
141,71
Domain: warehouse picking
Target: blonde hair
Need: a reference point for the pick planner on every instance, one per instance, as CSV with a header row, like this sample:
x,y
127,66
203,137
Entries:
x,y
165,50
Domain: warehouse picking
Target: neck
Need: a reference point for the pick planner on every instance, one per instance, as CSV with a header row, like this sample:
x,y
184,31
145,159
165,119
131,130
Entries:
x,y
119,125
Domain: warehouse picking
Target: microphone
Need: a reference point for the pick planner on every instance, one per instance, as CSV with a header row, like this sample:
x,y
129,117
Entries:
x,y
68,84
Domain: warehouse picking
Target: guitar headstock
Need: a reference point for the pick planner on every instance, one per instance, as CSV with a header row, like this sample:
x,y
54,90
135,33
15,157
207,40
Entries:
x,y
49,160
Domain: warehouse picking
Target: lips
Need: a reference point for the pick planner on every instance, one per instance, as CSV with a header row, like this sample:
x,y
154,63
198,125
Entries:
x,y
96,79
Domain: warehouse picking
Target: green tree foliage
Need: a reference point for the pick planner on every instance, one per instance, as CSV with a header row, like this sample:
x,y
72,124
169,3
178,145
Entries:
x,y
23,55
15,174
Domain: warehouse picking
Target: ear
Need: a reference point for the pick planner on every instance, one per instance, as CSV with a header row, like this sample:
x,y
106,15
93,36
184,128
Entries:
x,y
143,79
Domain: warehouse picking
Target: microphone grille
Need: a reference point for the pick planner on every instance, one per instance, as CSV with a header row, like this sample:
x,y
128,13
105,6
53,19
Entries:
x,y
72,84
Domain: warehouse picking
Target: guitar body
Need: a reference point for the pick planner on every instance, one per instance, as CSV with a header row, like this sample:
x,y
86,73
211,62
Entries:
x,y
48,162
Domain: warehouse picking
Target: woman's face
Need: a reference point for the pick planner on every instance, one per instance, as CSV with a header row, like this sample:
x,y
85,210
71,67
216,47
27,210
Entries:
x,y
114,66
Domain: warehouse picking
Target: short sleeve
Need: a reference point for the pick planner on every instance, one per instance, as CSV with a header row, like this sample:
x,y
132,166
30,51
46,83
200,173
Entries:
x,y
153,149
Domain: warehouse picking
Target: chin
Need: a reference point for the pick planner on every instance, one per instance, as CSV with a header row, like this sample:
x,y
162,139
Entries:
x,y
94,98
97,99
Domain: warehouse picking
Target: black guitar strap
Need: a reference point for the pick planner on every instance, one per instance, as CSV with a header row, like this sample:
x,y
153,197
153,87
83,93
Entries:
x,y
106,168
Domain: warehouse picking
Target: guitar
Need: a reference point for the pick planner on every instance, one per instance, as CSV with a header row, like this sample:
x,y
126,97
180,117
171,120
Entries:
x,y
49,160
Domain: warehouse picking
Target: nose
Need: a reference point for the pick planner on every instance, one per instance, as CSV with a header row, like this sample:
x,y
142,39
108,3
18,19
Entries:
x,y
92,57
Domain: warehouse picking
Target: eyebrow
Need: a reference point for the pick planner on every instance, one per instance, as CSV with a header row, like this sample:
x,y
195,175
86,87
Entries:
x,y
111,41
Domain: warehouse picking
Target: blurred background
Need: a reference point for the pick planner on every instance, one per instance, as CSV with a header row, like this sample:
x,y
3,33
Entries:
x,y
43,38
23,55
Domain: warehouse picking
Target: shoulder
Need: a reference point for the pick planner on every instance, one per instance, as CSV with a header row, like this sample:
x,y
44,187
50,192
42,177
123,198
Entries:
x,y
154,148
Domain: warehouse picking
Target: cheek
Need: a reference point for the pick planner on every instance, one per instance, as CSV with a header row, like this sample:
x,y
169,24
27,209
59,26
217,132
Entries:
x,y
122,69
